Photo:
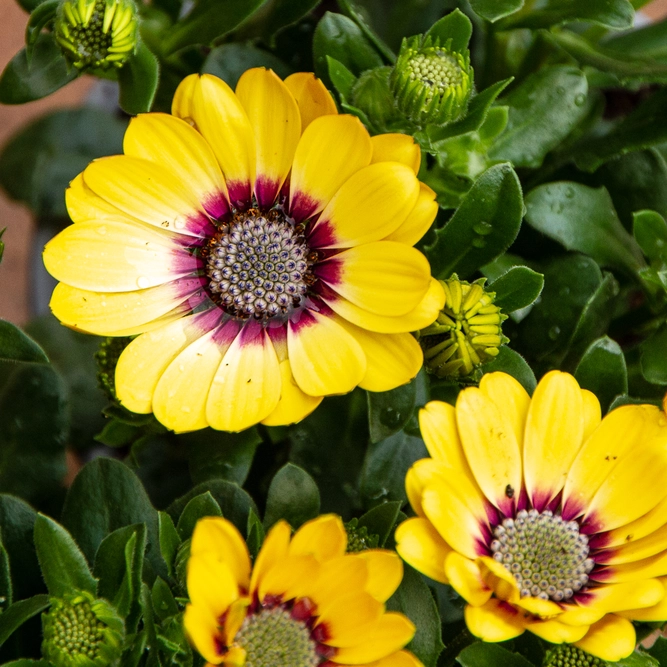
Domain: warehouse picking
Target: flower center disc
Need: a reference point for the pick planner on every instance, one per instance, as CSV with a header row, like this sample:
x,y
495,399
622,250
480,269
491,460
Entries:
x,y
547,556
272,637
258,265
439,70
92,43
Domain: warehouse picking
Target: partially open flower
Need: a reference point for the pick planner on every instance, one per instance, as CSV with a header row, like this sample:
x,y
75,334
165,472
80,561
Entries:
x,y
305,602
97,33
261,244
542,516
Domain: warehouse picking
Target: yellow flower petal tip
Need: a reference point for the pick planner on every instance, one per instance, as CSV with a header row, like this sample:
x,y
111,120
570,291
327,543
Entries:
x,y
233,277
541,515
318,602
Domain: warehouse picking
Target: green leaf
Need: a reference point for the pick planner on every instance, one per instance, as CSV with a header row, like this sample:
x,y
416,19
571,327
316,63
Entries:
x,y
517,288
6,592
483,227
602,370
583,219
492,10
386,464
209,20
341,38
543,110
107,495
255,534
47,71
199,507
618,14
118,434
650,231
511,362
63,565
381,520
352,9
341,77
39,19
137,80
648,41
638,659
455,26
275,15
169,540
413,598
229,61
490,655
653,357
293,496
18,346
659,650
16,615
164,603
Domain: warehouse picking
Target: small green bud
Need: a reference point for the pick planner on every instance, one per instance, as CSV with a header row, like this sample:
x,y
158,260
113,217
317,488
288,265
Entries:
x,y
358,538
567,655
431,82
467,332
107,357
80,631
97,33
372,94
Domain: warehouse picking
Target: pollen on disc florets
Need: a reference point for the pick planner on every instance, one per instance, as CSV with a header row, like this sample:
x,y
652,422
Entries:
x,y
272,637
467,332
567,655
547,556
259,265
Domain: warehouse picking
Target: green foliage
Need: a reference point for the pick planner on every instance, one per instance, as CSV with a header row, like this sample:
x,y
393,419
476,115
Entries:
x,y
293,496
17,346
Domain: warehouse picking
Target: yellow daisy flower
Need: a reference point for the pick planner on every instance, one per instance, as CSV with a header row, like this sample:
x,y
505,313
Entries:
x,y
305,603
260,243
541,515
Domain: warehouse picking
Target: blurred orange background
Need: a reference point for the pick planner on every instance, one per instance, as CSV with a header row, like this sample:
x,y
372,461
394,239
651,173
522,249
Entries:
x,y
14,274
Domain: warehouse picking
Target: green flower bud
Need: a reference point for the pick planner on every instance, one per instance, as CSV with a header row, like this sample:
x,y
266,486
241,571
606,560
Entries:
x,y
431,82
358,538
567,655
97,33
467,332
80,631
107,357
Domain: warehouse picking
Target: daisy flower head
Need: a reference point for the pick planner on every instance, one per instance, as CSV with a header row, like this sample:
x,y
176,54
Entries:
x,y
304,603
541,515
260,244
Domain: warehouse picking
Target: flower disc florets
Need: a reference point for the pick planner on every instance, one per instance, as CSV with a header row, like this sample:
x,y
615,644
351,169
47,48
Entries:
x,y
571,656
432,83
97,33
80,631
467,332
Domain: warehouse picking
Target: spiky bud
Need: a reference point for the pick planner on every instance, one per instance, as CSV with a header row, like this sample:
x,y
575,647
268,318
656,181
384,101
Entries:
x,y
97,34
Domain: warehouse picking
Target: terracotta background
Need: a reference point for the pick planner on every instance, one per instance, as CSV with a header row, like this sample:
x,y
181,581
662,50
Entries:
x,y
14,284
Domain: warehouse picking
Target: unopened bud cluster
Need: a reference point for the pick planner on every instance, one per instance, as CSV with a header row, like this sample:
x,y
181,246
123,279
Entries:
x,y
358,537
97,33
567,655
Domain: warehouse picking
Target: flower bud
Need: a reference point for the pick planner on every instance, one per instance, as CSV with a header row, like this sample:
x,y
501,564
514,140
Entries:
x,y
567,655
432,83
97,33
358,537
467,332
80,631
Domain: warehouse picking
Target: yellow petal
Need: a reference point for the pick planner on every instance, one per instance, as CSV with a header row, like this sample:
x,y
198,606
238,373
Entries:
x,y
336,577
275,119
420,545
149,192
398,659
385,572
311,95
422,316
331,149
143,361
397,148
324,538
246,386
293,405
592,412
638,549
211,583
179,401
349,618
385,278
221,538
419,220
371,204
172,143
325,358
274,549
552,442
289,578
202,629
642,527
496,621
437,423
115,257
391,632
503,584
556,632
612,639
181,105
466,579
647,568
656,612
113,314
391,359
630,595
489,442
223,122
